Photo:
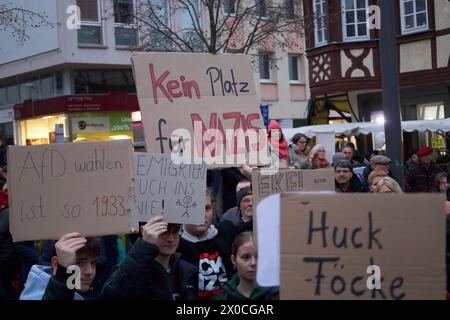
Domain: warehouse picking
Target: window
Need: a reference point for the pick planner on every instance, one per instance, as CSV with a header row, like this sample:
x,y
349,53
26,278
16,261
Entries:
x,y
354,19
157,41
2,96
59,83
320,21
47,86
289,6
265,67
431,111
103,81
295,69
124,19
91,27
229,7
12,94
414,15
261,9
30,89
188,23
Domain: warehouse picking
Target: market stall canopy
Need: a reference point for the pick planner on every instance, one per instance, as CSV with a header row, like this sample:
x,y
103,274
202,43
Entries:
x,y
356,128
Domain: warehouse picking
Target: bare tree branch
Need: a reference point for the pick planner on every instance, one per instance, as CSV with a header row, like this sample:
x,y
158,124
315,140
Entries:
x,y
18,21
205,25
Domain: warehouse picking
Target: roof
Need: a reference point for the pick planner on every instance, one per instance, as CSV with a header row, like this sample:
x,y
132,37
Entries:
x,y
356,128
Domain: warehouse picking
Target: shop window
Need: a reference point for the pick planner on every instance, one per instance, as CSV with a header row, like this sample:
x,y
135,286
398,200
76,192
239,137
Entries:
x,y
43,130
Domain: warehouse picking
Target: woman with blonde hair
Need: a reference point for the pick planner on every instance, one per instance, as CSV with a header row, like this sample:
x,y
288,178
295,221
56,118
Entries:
x,y
373,179
388,185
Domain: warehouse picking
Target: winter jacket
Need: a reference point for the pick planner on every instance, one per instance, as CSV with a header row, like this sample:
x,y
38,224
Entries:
x,y
296,158
420,179
140,276
37,282
7,247
233,215
259,293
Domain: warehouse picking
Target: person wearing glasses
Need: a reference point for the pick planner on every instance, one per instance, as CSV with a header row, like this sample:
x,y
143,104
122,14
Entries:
x,y
298,151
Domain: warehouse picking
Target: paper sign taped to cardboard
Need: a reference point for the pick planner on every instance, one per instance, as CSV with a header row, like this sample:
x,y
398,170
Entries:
x,y
163,187
289,180
202,106
75,187
328,242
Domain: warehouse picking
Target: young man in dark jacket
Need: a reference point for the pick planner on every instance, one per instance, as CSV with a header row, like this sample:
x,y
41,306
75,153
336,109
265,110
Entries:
x,y
51,282
152,269
72,249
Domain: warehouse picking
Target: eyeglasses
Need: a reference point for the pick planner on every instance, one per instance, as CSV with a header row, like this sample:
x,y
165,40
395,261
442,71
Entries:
x,y
173,232
321,150
302,142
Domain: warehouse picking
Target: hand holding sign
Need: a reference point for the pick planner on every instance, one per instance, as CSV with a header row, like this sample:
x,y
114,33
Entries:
x,y
153,229
67,246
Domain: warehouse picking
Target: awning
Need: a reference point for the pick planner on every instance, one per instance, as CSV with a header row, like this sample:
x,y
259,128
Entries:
x,y
356,128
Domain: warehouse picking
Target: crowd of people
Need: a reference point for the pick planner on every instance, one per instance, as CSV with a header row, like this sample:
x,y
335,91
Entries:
x,y
216,260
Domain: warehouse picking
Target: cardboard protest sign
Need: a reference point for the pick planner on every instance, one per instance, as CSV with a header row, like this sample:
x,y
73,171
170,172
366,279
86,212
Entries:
x,y
202,104
288,180
74,187
163,187
328,242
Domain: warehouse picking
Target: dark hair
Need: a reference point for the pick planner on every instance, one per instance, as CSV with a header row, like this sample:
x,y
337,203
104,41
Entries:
x,y
90,249
298,136
343,164
240,240
350,145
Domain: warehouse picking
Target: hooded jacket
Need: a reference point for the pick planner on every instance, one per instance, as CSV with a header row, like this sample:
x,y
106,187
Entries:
x,y
259,293
279,147
37,283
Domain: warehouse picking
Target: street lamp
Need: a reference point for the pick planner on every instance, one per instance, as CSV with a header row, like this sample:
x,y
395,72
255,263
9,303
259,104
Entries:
x,y
390,86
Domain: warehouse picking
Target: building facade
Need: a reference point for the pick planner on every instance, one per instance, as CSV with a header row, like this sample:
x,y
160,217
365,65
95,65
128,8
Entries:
x,y
344,57
81,81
